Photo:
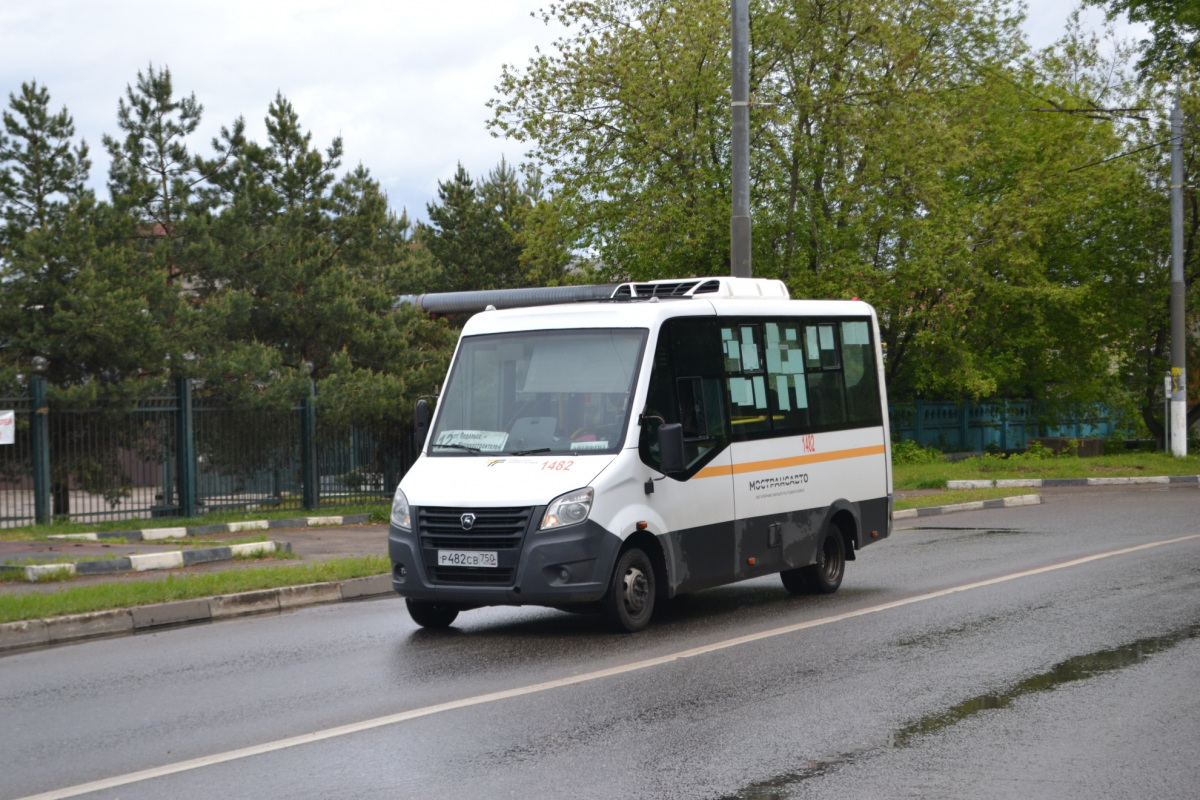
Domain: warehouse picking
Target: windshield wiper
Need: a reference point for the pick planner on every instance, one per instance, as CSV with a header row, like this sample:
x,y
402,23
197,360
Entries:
x,y
531,452
466,447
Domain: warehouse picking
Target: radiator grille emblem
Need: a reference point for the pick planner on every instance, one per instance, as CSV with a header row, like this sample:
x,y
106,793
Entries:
x,y
468,521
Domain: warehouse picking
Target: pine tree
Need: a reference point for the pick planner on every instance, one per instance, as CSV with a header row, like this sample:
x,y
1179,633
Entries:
x,y
307,265
75,293
475,230
452,234
152,174
41,172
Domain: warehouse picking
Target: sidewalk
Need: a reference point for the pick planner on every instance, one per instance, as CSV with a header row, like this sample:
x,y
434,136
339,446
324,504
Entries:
x,y
309,544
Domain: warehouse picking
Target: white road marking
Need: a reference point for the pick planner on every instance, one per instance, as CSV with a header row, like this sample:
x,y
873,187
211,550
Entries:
x,y
492,697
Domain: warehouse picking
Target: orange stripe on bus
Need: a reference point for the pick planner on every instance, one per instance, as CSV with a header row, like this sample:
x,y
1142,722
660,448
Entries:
x,y
794,461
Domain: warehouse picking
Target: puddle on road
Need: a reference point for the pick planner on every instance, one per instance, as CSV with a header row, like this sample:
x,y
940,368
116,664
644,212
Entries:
x,y
778,788
1073,669
970,533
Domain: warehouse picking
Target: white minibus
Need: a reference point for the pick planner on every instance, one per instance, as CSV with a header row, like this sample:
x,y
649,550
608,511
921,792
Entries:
x,y
605,456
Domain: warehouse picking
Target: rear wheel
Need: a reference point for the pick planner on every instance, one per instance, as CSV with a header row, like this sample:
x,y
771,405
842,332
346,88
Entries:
x,y
629,603
431,615
825,576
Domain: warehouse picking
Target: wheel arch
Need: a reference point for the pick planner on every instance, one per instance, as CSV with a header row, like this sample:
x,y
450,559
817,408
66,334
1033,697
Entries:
x,y
844,514
652,547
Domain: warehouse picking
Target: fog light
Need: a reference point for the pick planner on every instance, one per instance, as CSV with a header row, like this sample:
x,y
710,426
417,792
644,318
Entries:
x,y
563,575
399,571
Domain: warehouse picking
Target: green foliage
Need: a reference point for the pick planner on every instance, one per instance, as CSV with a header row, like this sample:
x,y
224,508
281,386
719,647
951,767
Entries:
x,y
1173,27
1038,451
629,119
42,173
478,232
254,271
152,176
301,270
907,451
76,293
917,156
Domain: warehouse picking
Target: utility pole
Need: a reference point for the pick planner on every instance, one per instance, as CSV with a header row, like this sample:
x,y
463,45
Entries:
x,y
739,224
1178,422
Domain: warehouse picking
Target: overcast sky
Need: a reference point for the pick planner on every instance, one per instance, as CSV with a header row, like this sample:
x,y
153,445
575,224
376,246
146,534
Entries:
x,y
403,82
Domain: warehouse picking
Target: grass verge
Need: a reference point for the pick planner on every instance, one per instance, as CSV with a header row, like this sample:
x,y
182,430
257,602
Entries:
x,y
378,511
994,467
957,496
104,596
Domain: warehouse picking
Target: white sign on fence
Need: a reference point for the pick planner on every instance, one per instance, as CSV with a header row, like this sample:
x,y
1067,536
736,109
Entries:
x,y
8,427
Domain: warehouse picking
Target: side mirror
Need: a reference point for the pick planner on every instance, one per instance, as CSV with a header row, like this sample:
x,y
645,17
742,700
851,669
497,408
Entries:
x,y
421,423
670,448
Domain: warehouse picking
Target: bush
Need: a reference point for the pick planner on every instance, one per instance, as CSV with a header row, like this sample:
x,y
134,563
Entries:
x,y
1039,451
909,452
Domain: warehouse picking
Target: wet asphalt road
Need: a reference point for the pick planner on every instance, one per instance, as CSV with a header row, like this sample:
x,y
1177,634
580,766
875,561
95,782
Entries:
x,y
1079,682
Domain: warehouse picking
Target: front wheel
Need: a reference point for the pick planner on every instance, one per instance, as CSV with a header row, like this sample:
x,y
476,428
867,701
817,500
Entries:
x,y
630,599
825,576
431,615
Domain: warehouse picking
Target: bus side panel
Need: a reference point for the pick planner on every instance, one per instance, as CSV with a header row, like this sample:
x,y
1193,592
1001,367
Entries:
x,y
875,520
775,542
706,556
773,477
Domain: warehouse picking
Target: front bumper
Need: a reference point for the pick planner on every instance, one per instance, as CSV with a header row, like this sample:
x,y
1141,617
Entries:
x,y
558,567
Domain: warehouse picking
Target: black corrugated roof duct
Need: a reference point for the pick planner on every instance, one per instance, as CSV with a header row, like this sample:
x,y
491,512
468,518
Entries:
x,y
471,302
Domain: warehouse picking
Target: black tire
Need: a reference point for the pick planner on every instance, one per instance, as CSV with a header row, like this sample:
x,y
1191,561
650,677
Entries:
x,y
825,576
793,581
629,603
431,615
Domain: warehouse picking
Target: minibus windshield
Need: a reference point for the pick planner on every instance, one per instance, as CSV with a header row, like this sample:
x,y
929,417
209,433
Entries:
x,y
553,392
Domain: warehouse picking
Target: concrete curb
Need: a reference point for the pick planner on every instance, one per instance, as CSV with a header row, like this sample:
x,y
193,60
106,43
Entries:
x,y
173,559
976,505
1040,482
155,534
35,633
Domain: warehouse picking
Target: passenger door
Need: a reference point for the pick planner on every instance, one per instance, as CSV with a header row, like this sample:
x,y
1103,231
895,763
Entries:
x,y
687,386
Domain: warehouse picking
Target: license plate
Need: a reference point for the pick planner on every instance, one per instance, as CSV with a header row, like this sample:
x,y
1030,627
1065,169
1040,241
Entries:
x,y
468,558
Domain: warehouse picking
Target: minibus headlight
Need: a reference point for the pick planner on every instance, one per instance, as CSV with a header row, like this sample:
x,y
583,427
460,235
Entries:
x,y
401,517
567,509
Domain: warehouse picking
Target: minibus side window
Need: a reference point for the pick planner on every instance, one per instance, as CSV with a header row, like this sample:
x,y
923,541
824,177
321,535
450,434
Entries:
x,y
786,383
749,411
862,379
826,391
791,376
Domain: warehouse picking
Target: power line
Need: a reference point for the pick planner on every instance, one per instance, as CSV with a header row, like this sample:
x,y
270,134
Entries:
x,y
1122,155
1103,114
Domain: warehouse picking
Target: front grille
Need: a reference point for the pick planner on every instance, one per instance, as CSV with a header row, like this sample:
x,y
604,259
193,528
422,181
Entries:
x,y
467,542
499,529
473,575
505,525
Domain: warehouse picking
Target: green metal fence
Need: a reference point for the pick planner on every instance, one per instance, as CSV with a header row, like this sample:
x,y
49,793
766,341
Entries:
x,y
185,452
16,465
1001,424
